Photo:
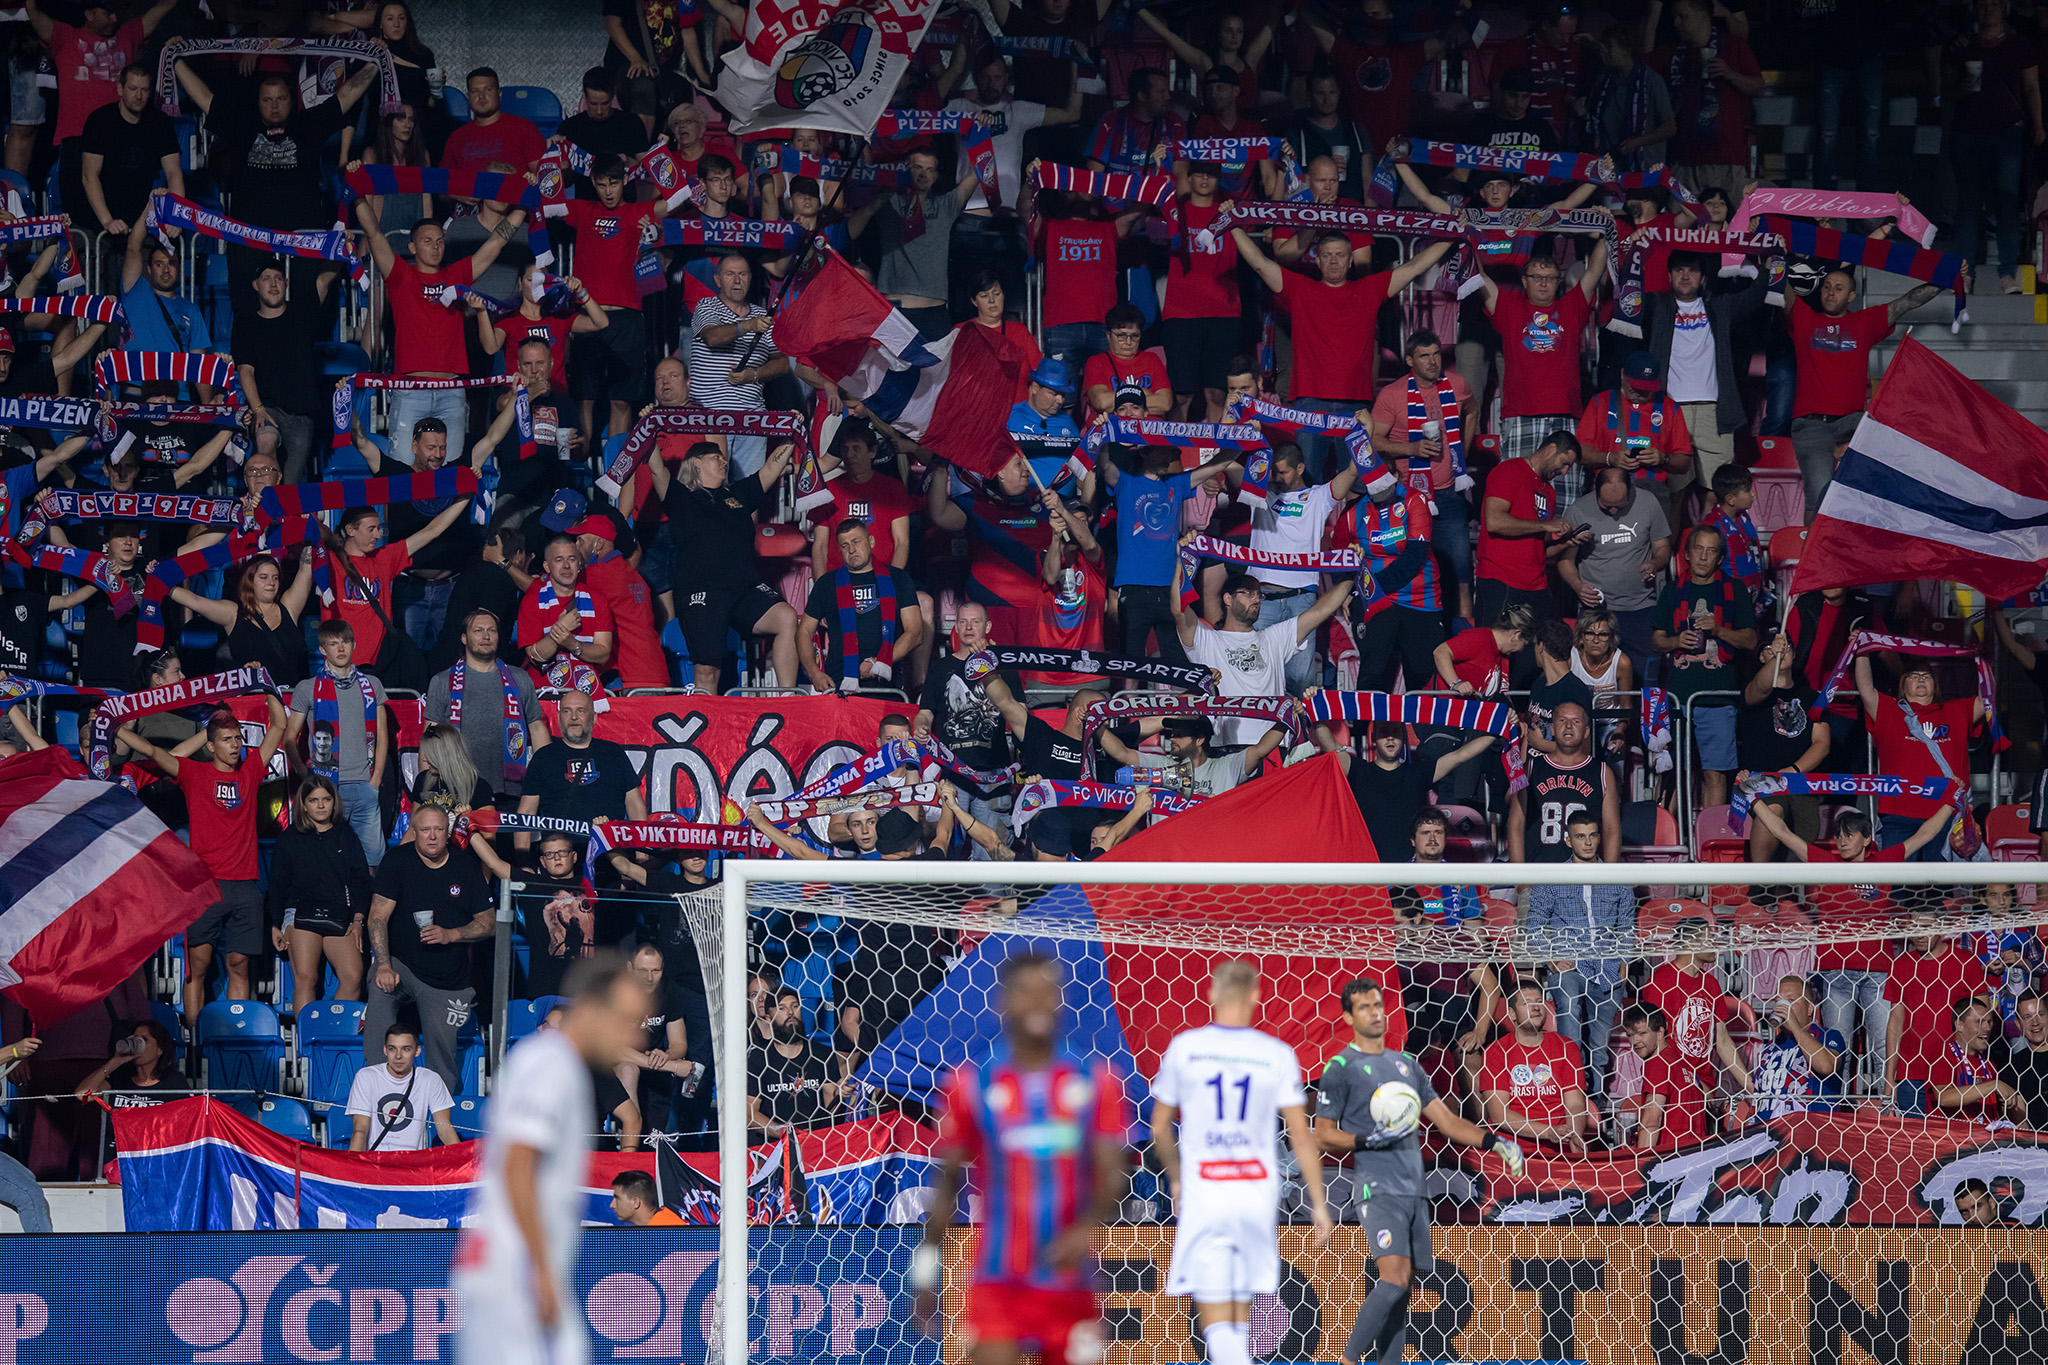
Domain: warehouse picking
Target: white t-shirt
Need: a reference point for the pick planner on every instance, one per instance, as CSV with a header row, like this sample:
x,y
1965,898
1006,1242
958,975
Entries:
x,y
543,1101
1291,524
1253,664
381,1096
1014,118
1229,1085
1693,377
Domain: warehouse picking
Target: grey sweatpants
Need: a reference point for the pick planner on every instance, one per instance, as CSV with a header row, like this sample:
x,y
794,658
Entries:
x,y
442,1016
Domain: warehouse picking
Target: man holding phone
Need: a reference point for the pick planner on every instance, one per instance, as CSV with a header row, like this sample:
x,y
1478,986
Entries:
x,y
1620,543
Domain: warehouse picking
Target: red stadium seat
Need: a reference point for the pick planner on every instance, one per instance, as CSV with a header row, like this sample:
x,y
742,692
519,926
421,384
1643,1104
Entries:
x,y
1715,839
2007,834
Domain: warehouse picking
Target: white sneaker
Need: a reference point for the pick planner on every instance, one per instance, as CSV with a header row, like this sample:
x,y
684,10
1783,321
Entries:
x,y
2008,285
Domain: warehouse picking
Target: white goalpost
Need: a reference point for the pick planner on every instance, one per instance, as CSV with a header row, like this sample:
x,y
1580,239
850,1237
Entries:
x,y
1745,919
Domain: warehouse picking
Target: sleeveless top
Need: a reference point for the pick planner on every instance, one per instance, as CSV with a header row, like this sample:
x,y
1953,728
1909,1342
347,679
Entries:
x,y
1601,683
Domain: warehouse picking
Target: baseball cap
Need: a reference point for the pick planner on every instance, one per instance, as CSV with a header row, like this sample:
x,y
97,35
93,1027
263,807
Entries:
x,y
895,832
564,511
6,341
1219,74
1517,81
1642,370
1128,393
596,524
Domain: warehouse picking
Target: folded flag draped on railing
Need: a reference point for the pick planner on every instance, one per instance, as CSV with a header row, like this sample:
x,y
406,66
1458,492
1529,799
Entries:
x,y
1948,791
345,49
1048,792
216,689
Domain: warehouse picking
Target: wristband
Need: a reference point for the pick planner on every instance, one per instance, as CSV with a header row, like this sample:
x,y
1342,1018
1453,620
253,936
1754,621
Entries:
x,y
923,1275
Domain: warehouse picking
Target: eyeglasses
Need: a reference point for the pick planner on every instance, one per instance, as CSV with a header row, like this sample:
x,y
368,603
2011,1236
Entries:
x,y
560,853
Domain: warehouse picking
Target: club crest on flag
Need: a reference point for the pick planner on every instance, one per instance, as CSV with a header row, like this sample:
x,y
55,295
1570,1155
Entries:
x,y
826,63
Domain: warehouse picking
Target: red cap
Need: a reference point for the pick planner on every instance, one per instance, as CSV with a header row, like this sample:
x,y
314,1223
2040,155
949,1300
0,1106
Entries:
x,y
6,341
596,524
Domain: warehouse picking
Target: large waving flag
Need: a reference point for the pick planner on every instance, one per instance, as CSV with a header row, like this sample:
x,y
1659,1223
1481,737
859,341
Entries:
x,y
1941,480
952,396
831,64
90,884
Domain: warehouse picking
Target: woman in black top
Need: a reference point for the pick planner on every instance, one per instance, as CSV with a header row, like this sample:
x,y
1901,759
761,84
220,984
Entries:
x,y
715,577
263,622
390,27
319,892
143,1061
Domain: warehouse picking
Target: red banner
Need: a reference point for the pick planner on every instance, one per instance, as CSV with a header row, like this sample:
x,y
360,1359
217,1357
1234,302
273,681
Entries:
x,y
1850,1167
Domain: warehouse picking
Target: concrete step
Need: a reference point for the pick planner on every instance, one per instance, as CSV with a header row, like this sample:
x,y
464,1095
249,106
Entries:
x,y
1994,310
1986,364
2026,395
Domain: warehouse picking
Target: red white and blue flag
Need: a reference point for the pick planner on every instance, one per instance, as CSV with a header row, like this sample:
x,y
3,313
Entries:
x,y
1942,481
91,884
831,64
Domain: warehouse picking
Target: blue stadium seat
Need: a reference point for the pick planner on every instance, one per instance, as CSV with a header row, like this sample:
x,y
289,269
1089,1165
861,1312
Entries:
x,y
67,728
467,1114
457,102
167,1015
20,182
242,1044
535,102
348,463
472,1065
521,1018
331,1042
338,358
53,202
282,1114
340,1128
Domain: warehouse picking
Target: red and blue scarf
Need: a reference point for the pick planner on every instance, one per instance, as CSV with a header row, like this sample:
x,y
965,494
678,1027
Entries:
x,y
1454,445
323,753
548,600
515,715
849,625
185,367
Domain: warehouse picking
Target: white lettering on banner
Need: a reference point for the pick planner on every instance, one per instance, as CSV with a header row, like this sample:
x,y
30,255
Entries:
x,y
22,1318
227,1321
2026,1168
679,1287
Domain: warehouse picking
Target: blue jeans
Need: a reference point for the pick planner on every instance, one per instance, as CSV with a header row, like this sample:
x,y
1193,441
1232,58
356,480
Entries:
x,y
424,609
747,454
1451,532
1850,996
1301,666
1893,830
365,817
1072,344
409,405
1868,81
1988,165
1911,1098
1323,453
1781,383
996,817
1586,1007
19,1191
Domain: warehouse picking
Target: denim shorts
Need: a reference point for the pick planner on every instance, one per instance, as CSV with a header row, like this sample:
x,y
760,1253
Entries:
x,y
1713,733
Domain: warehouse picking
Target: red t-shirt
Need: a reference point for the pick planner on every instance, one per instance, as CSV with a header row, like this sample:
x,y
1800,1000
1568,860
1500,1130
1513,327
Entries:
x,y
1080,270
1657,425
1390,409
1378,84
1903,755
221,815
1852,904
509,139
1925,988
622,593
378,569
1201,284
1145,369
1692,1005
1657,264
1834,357
1477,659
1335,327
535,620
554,331
426,333
1535,1078
607,246
88,72
1516,561
1069,616
876,503
1670,1077
1539,348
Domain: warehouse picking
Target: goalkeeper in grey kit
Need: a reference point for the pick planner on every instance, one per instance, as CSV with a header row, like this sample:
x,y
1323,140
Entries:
x,y
1387,1163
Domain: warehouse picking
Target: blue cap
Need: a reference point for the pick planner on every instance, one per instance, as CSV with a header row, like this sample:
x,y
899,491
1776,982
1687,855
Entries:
x,y
1053,374
565,511
1641,369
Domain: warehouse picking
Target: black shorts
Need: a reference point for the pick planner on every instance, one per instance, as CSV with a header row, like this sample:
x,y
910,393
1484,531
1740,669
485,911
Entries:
x,y
706,614
1198,351
610,363
235,921
322,920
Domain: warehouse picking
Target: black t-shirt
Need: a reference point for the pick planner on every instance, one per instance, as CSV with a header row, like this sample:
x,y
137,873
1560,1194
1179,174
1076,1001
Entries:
x,y
713,529
606,1093
106,649
791,1089
280,350
454,550
622,134
23,614
281,650
1050,753
278,171
680,965
1526,134
823,606
1347,138
453,892
584,784
481,585
133,153
963,717
1772,734
170,1086
1546,697
669,1008
2027,1072
560,920
1390,801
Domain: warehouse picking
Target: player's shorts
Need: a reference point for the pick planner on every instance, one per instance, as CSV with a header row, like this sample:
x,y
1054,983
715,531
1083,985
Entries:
x,y
1064,1324
235,921
1396,1225
1225,1254
498,1327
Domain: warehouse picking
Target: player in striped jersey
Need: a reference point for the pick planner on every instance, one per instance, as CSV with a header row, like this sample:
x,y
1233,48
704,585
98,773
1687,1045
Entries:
x,y
1228,1085
1047,1132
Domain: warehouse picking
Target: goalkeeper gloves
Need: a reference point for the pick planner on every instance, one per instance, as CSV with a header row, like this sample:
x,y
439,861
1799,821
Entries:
x,y
1508,1150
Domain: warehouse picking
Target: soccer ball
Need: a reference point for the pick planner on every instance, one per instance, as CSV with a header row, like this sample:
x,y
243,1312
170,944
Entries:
x,y
1397,1108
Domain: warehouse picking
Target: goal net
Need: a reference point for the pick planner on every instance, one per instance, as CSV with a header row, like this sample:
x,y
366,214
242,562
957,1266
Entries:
x,y
1769,1112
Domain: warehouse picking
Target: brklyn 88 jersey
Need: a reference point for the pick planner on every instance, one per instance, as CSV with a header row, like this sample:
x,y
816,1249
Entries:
x,y
1229,1085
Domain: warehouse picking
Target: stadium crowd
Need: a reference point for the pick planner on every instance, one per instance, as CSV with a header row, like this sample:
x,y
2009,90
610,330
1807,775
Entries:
x,y
1550,478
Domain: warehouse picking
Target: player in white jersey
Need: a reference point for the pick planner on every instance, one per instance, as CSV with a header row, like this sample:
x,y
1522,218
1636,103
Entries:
x,y
515,1261
1228,1084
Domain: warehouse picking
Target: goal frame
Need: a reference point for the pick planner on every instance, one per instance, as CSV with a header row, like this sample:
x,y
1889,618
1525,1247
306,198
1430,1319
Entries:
x,y
740,875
